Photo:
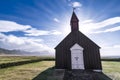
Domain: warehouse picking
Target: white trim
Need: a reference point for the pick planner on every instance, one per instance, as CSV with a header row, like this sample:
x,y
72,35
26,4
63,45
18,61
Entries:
x,y
97,70
76,46
77,59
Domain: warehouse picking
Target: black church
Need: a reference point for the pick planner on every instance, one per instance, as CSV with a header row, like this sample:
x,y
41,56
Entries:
x,y
77,51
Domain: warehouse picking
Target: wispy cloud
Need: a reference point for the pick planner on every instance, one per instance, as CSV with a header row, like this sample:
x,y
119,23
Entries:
x,y
56,20
55,32
105,26
107,22
36,32
87,21
113,29
7,26
109,30
89,26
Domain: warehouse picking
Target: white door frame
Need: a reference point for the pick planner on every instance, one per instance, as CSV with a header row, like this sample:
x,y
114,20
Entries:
x,y
77,59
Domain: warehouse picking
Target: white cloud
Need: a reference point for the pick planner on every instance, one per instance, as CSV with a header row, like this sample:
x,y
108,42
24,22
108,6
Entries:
x,y
23,43
116,46
28,43
76,4
87,21
55,32
7,26
110,50
109,30
36,32
2,37
113,29
56,20
15,40
89,26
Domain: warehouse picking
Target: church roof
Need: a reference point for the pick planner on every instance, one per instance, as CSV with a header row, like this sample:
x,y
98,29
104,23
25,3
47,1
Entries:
x,y
75,36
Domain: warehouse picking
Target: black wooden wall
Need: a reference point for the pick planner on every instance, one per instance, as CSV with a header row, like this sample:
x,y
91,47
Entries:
x,y
91,52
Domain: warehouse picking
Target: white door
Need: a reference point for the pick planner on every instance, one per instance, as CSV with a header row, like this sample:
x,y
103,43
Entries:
x,y
77,61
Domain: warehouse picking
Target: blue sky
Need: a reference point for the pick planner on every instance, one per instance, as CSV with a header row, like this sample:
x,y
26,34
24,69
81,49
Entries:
x,y
39,25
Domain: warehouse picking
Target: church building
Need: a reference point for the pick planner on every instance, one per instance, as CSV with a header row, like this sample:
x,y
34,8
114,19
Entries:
x,y
77,51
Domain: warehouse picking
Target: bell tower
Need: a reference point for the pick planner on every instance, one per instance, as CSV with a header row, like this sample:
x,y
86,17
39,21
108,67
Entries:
x,y
74,22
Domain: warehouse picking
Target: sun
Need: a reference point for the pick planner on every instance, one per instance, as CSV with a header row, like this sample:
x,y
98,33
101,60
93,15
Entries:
x,y
86,26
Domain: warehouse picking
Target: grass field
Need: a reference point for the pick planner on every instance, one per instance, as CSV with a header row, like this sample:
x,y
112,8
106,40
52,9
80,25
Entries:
x,y
10,59
25,72
112,69
32,70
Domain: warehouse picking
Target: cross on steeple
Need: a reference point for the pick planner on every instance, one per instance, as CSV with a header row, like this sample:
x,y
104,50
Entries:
x,y
74,8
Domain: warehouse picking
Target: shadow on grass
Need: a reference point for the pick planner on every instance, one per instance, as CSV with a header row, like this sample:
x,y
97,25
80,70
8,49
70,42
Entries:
x,y
115,60
84,75
49,72
44,75
102,76
6,65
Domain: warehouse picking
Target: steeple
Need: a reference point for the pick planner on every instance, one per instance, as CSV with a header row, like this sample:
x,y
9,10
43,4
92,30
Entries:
x,y
74,22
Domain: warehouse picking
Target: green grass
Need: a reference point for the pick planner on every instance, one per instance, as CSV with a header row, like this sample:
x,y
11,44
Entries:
x,y
41,69
10,59
25,72
112,69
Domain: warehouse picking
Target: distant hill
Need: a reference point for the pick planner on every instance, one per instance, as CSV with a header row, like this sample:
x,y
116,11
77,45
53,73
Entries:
x,y
12,52
5,51
22,53
110,57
